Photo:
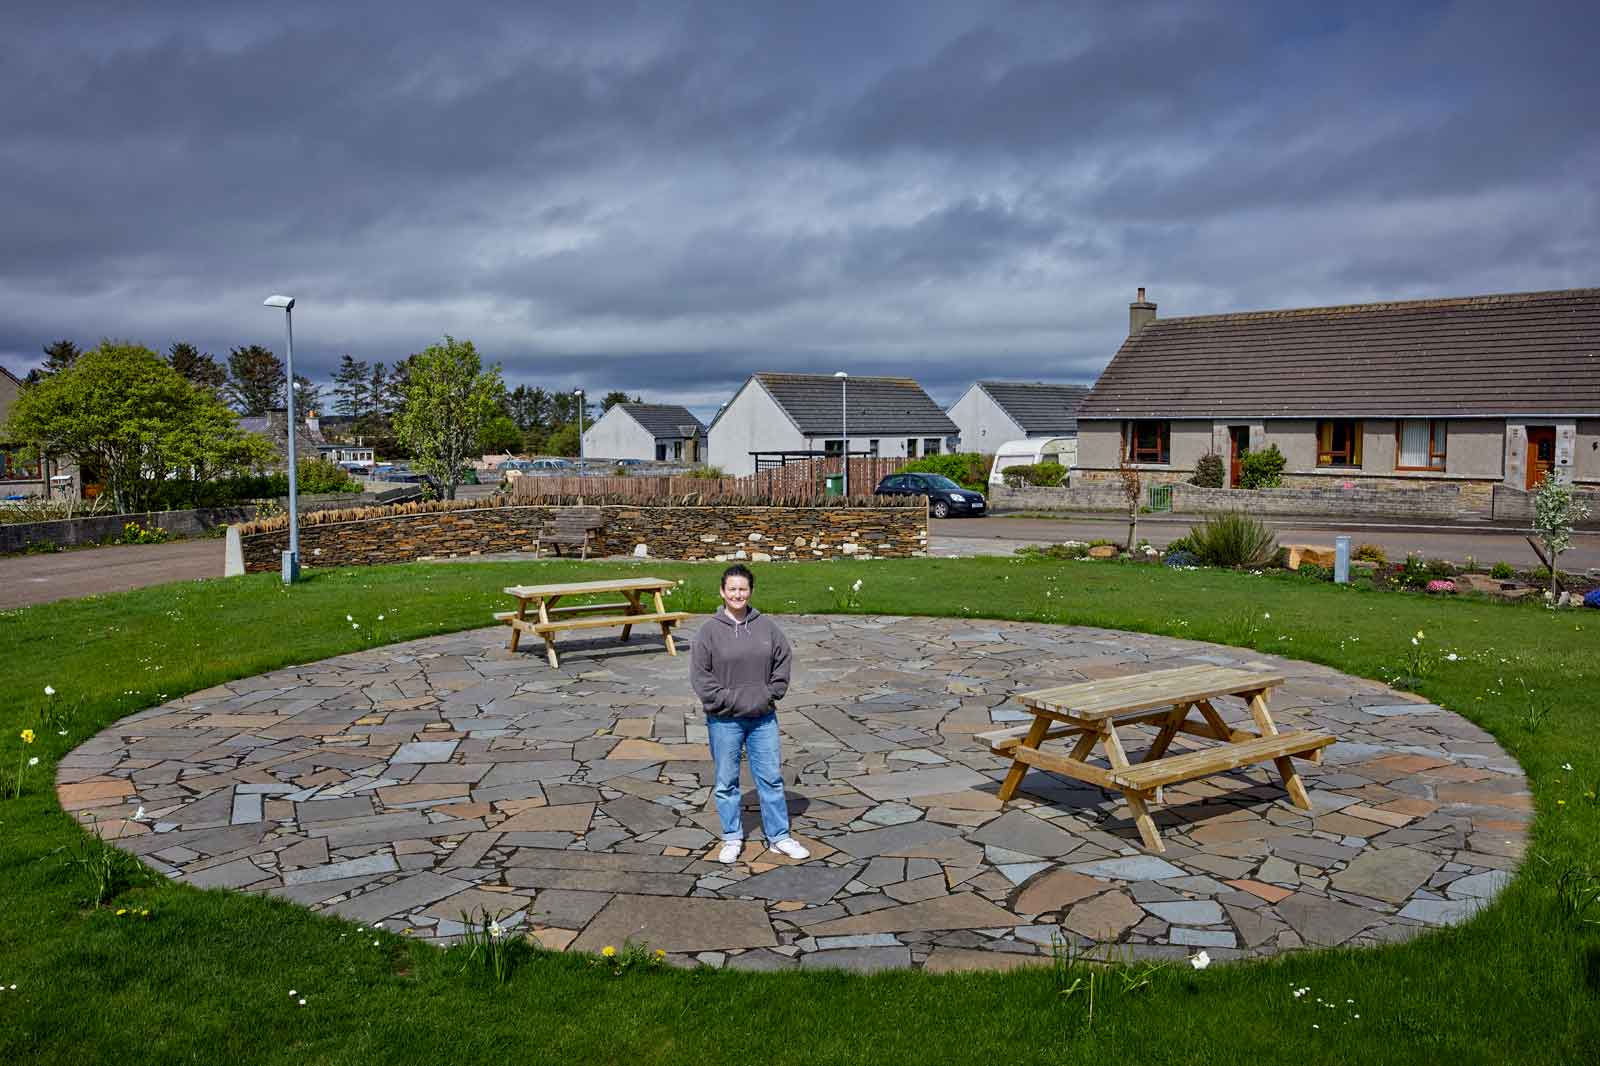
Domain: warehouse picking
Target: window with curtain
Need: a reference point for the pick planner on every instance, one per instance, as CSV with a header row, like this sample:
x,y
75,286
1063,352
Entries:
x,y
1339,442
18,465
1421,445
930,445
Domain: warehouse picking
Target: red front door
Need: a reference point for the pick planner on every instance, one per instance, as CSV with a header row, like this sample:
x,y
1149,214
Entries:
x,y
1541,454
1238,444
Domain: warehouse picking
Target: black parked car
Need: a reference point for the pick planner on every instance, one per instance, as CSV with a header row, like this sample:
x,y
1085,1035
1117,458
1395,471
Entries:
x,y
945,497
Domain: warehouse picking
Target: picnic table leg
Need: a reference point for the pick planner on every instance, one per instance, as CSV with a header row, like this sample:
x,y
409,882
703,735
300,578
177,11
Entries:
x,y
549,639
516,623
1169,729
633,608
666,627
1035,737
1291,777
1141,814
1224,731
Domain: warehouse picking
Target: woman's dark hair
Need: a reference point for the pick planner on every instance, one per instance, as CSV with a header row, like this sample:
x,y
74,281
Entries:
x,y
738,570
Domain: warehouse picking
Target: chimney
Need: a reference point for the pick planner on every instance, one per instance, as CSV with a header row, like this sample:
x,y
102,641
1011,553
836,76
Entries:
x,y
1140,314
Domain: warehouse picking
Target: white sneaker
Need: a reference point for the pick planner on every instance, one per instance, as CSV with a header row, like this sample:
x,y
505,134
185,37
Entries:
x,y
729,852
792,848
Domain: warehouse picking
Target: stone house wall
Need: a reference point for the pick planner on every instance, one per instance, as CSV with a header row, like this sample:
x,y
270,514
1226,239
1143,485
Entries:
x,y
758,534
1364,498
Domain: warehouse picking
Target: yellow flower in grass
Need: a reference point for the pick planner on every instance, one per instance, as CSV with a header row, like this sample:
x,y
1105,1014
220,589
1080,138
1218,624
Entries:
x,y
608,951
27,736
661,953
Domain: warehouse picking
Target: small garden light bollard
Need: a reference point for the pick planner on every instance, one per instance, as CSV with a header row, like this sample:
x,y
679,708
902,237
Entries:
x,y
1341,560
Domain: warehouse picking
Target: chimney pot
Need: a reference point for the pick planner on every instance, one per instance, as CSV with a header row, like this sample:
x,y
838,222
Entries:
x,y
1141,294
1140,314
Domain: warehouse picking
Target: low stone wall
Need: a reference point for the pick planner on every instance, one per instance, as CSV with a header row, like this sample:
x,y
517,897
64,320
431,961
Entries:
x,y
70,532
758,534
1516,505
1364,498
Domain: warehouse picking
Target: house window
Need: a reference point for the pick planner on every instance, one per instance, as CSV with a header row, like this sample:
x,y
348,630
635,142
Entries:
x,y
833,448
1339,442
18,466
1419,444
911,447
677,449
930,445
872,447
1150,442
661,450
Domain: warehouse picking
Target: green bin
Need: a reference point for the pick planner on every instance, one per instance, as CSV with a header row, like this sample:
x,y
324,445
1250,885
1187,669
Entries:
x,y
834,484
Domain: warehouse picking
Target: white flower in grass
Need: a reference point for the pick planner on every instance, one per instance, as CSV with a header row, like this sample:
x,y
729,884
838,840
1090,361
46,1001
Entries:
x,y
857,586
1451,657
1567,767
1200,961
1266,614
61,732
347,618
34,761
495,930
49,690
380,618
355,625
292,993
302,1003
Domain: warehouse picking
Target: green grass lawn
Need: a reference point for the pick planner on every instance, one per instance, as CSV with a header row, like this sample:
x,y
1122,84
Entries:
x,y
206,976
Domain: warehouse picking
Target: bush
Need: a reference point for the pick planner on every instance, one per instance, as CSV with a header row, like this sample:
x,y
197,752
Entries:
x,y
1233,538
1438,569
1182,544
1371,553
1262,469
1176,559
1017,476
1502,572
1314,572
967,469
1047,475
1413,573
1208,471
707,472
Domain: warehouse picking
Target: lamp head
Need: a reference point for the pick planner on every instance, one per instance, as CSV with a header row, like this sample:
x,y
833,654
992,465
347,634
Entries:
x,y
840,374
285,302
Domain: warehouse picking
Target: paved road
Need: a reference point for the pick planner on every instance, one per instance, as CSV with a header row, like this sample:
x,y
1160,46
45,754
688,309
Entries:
x,y
29,579
1435,542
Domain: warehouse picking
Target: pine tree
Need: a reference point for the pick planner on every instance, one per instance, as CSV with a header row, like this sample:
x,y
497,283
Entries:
x,y
350,387
307,397
255,380
199,368
59,356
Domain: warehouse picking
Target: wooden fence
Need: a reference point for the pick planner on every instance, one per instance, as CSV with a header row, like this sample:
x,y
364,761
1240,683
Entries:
x,y
794,479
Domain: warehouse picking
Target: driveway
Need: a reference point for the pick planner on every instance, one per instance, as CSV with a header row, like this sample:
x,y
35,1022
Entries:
x,y
30,579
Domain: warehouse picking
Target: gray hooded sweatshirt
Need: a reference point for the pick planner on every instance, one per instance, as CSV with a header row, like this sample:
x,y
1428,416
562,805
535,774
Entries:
x,y
739,669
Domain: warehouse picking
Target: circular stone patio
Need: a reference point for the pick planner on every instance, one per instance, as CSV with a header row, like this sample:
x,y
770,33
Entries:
x,y
411,783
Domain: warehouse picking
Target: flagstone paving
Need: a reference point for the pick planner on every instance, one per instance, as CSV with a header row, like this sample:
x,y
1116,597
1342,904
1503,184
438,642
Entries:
x,y
416,783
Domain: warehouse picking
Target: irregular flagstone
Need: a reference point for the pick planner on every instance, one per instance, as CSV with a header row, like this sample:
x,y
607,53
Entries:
x,y
813,883
858,960
965,960
1392,874
962,910
678,924
401,897
1104,917
447,765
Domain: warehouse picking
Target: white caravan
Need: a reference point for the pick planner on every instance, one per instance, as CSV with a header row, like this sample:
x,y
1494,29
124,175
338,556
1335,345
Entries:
x,y
1032,451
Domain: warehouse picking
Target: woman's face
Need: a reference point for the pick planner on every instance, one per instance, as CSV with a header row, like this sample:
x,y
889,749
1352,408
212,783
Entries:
x,y
736,593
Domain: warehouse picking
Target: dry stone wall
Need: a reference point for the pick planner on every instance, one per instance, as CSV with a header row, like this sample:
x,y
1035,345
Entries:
x,y
758,534
1364,498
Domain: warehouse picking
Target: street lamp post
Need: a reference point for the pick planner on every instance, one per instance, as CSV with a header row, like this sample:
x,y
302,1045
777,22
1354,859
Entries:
x,y
579,394
844,424
291,558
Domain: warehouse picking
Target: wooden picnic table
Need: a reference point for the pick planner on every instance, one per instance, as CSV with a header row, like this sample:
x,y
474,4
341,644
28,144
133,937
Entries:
x,y
1092,711
549,619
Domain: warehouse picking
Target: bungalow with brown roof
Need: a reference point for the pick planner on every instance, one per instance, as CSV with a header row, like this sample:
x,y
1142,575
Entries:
x,y
1482,393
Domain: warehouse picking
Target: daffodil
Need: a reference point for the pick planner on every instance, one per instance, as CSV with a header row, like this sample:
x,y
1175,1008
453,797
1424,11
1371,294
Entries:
x,y
27,736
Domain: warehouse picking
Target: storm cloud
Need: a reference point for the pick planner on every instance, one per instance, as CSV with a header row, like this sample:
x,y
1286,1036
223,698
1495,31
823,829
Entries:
x,y
664,198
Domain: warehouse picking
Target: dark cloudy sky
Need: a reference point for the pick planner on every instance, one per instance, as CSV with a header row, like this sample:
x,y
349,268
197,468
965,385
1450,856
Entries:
x,y
664,197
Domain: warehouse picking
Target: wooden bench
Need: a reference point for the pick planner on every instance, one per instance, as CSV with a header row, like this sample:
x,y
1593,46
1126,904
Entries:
x,y
1092,712
572,527
548,619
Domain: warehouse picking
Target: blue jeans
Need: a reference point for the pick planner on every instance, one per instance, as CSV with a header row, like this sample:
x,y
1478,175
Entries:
x,y
758,737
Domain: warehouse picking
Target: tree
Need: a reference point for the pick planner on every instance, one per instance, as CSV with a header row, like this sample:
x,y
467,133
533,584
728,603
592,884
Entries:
x,y
1128,474
255,380
58,357
528,408
499,434
449,397
350,389
563,440
615,397
1555,511
307,396
196,367
122,410
385,391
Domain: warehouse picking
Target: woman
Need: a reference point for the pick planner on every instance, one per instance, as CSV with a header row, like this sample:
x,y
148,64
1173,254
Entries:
x,y
740,670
